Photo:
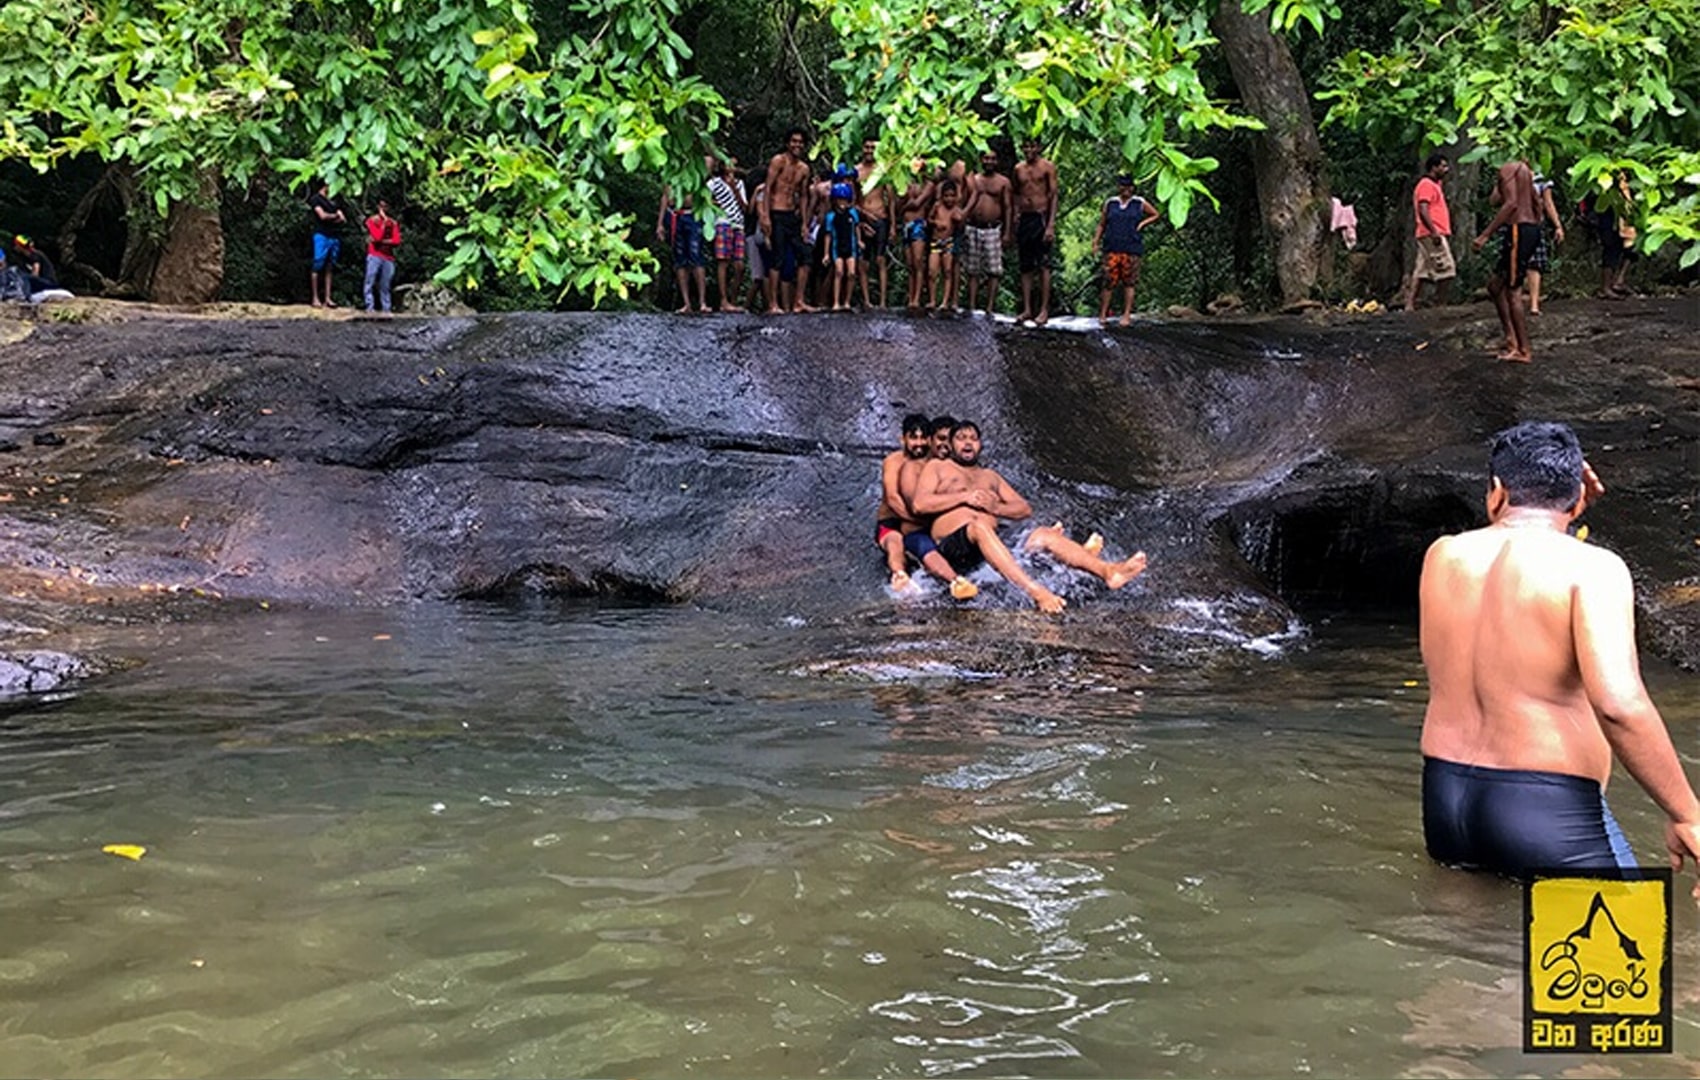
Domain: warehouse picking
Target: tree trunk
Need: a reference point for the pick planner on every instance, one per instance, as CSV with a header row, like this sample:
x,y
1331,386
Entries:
x,y
184,266
1292,181
191,264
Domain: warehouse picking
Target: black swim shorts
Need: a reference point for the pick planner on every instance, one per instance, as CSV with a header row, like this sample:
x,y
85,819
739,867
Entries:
x,y
1514,821
1517,247
960,552
1030,244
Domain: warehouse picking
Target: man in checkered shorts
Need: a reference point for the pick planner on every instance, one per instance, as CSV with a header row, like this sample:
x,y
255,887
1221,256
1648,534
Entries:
x,y
728,194
990,225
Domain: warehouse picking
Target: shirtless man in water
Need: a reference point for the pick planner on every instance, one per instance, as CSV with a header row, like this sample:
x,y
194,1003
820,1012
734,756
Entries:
x,y
1035,229
897,531
782,221
1528,635
1520,214
969,500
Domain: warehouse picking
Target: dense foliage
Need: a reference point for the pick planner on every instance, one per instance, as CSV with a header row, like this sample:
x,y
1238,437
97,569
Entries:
x,y
1590,88
530,138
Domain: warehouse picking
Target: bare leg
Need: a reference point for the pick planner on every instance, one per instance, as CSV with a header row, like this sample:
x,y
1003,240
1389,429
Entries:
x,y
885,278
802,303
973,293
1103,305
892,545
313,287
328,302
1519,328
1501,296
720,274
1044,315
1127,306
985,537
1026,311
991,295
682,278
1533,278
1053,541
700,276
1412,288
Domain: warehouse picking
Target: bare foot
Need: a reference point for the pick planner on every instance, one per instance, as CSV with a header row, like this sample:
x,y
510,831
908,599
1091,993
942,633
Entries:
x,y
686,310
1094,543
730,309
1126,570
1042,318
329,304
806,309
1534,311
317,304
1513,356
1023,316
963,589
900,582
1104,321
1048,602
1125,320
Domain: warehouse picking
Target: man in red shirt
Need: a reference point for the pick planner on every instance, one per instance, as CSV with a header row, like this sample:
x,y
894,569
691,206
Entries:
x,y
1434,227
383,236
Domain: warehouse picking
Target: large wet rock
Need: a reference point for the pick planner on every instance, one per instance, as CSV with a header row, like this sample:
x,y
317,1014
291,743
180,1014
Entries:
x,y
1264,464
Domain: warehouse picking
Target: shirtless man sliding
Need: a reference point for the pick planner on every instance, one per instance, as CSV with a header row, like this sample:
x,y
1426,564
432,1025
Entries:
x,y
1035,229
1519,212
969,499
897,531
782,220
1528,635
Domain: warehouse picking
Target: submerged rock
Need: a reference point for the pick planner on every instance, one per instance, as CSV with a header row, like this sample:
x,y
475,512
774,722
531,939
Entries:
x,y
1266,465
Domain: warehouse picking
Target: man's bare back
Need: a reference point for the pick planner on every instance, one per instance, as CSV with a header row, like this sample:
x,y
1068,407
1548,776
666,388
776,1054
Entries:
x,y
1528,635
1503,612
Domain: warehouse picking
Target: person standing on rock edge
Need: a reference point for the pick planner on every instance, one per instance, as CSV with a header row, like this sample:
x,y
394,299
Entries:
x,y
1528,635
782,220
970,499
1520,215
327,221
383,236
1434,234
1035,230
873,202
897,531
989,219
1121,237
727,191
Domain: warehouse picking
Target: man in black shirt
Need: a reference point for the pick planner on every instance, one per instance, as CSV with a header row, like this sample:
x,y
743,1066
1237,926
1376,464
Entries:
x,y
327,221
32,261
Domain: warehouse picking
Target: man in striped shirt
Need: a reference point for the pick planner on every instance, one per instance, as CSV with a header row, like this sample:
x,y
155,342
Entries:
x,y
728,194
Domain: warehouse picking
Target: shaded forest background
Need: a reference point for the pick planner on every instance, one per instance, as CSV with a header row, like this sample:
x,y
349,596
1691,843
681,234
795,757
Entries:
x,y
561,215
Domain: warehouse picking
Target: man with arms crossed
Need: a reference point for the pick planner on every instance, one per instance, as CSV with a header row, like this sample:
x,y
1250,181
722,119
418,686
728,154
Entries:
x,y
1036,229
989,215
1528,635
969,499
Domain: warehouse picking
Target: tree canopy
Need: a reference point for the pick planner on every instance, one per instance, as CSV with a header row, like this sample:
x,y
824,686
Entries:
x,y
520,124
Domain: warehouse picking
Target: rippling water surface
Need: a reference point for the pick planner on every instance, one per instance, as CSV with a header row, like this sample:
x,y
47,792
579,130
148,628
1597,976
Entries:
x,y
578,840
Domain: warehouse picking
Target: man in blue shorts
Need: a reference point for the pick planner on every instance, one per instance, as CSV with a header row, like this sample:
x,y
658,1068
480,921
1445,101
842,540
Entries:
x,y
1528,635
327,220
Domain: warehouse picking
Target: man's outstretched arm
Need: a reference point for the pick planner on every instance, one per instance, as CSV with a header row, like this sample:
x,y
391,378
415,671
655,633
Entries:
x,y
1604,627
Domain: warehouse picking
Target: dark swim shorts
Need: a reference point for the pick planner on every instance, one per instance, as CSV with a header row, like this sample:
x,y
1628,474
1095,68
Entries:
x,y
919,545
962,553
884,526
1517,247
1030,245
1514,821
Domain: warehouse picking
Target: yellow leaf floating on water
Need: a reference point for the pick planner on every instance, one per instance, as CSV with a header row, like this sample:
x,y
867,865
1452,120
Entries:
x,y
133,852
1410,682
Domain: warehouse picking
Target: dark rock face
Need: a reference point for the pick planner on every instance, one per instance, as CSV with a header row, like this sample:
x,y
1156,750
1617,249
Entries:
x,y
734,461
